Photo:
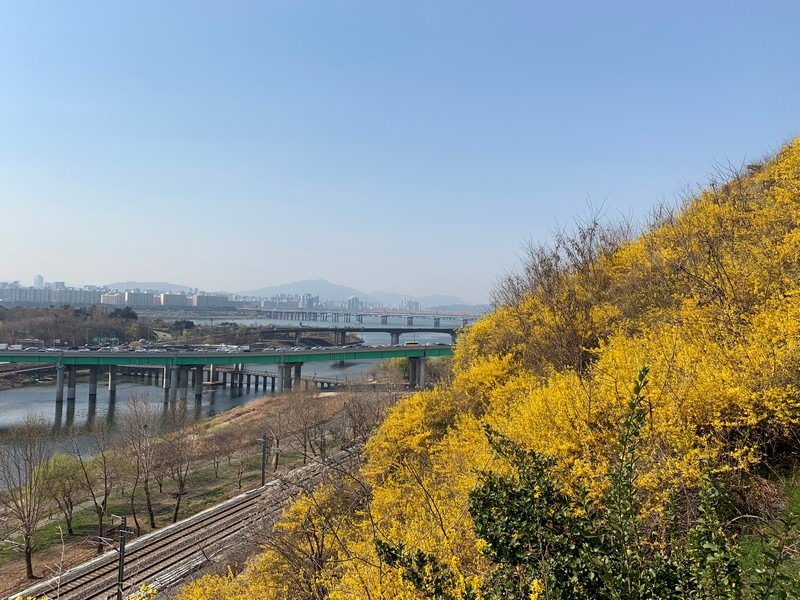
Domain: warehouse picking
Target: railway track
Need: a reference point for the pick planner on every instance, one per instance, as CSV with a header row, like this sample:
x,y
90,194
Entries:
x,y
163,557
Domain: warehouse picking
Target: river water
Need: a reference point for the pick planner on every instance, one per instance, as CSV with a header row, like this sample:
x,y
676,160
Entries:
x,y
39,399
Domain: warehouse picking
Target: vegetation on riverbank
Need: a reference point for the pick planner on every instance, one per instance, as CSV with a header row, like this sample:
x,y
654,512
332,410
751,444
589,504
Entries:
x,y
155,468
533,474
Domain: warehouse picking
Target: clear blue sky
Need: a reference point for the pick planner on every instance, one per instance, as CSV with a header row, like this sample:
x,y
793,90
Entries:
x,y
399,146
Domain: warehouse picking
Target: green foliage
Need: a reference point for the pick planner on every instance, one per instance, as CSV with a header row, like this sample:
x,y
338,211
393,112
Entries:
x,y
777,578
541,538
182,324
424,571
126,313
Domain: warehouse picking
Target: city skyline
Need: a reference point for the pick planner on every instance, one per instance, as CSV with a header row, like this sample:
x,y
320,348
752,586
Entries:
x,y
414,146
314,291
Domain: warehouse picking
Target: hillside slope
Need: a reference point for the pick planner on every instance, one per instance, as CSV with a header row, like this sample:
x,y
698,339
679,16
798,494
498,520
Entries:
x,y
708,297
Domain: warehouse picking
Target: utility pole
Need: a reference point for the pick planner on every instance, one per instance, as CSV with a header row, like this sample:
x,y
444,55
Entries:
x,y
264,450
123,532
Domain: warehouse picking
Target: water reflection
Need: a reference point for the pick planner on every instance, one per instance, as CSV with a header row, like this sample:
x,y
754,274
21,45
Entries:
x,y
84,411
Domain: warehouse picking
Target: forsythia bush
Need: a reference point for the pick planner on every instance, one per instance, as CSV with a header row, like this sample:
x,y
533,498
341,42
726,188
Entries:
x,y
708,297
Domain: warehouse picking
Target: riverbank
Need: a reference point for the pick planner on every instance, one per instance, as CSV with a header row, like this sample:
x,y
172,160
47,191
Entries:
x,y
19,375
220,471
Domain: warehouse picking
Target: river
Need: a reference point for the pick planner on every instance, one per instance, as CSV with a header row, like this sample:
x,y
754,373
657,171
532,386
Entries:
x,y
39,399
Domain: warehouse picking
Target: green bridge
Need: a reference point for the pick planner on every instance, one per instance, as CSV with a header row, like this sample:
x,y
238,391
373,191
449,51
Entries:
x,y
175,368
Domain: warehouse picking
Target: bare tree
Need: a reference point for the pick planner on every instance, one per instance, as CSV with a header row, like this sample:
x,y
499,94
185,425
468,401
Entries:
x,y
180,446
99,468
139,427
306,418
23,476
277,425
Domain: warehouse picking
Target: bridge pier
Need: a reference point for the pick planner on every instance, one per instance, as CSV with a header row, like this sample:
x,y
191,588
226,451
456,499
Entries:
x,y
360,319
437,322
184,378
340,338
409,321
92,383
172,386
395,338
198,382
284,377
384,319
112,381
60,382
416,372
72,373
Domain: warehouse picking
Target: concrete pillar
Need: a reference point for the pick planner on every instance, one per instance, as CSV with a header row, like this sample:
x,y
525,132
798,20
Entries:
x,y
112,381
149,376
412,373
91,411
360,319
384,319
437,322
198,382
58,416
70,420
335,317
395,338
248,381
421,374
92,383
453,338
409,321
297,369
340,338
60,383
173,378
166,378
272,384
284,377
224,378
72,373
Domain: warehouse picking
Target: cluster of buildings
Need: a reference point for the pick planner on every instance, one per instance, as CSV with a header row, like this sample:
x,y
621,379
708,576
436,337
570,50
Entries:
x,y
58,294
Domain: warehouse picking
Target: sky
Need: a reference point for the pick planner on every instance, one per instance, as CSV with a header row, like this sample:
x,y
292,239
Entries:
x,y
409,147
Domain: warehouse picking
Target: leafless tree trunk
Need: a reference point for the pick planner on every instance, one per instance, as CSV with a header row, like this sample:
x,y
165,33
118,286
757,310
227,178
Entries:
x,y
23,477
140,426
181,451
100,470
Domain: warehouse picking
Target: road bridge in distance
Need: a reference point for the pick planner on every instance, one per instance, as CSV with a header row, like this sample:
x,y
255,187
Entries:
x,y
177,367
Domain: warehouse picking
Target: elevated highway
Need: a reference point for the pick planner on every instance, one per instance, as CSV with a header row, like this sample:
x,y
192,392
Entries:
x,y
175,368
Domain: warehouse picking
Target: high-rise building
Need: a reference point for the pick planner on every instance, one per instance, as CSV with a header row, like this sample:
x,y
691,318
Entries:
x,y
38,282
